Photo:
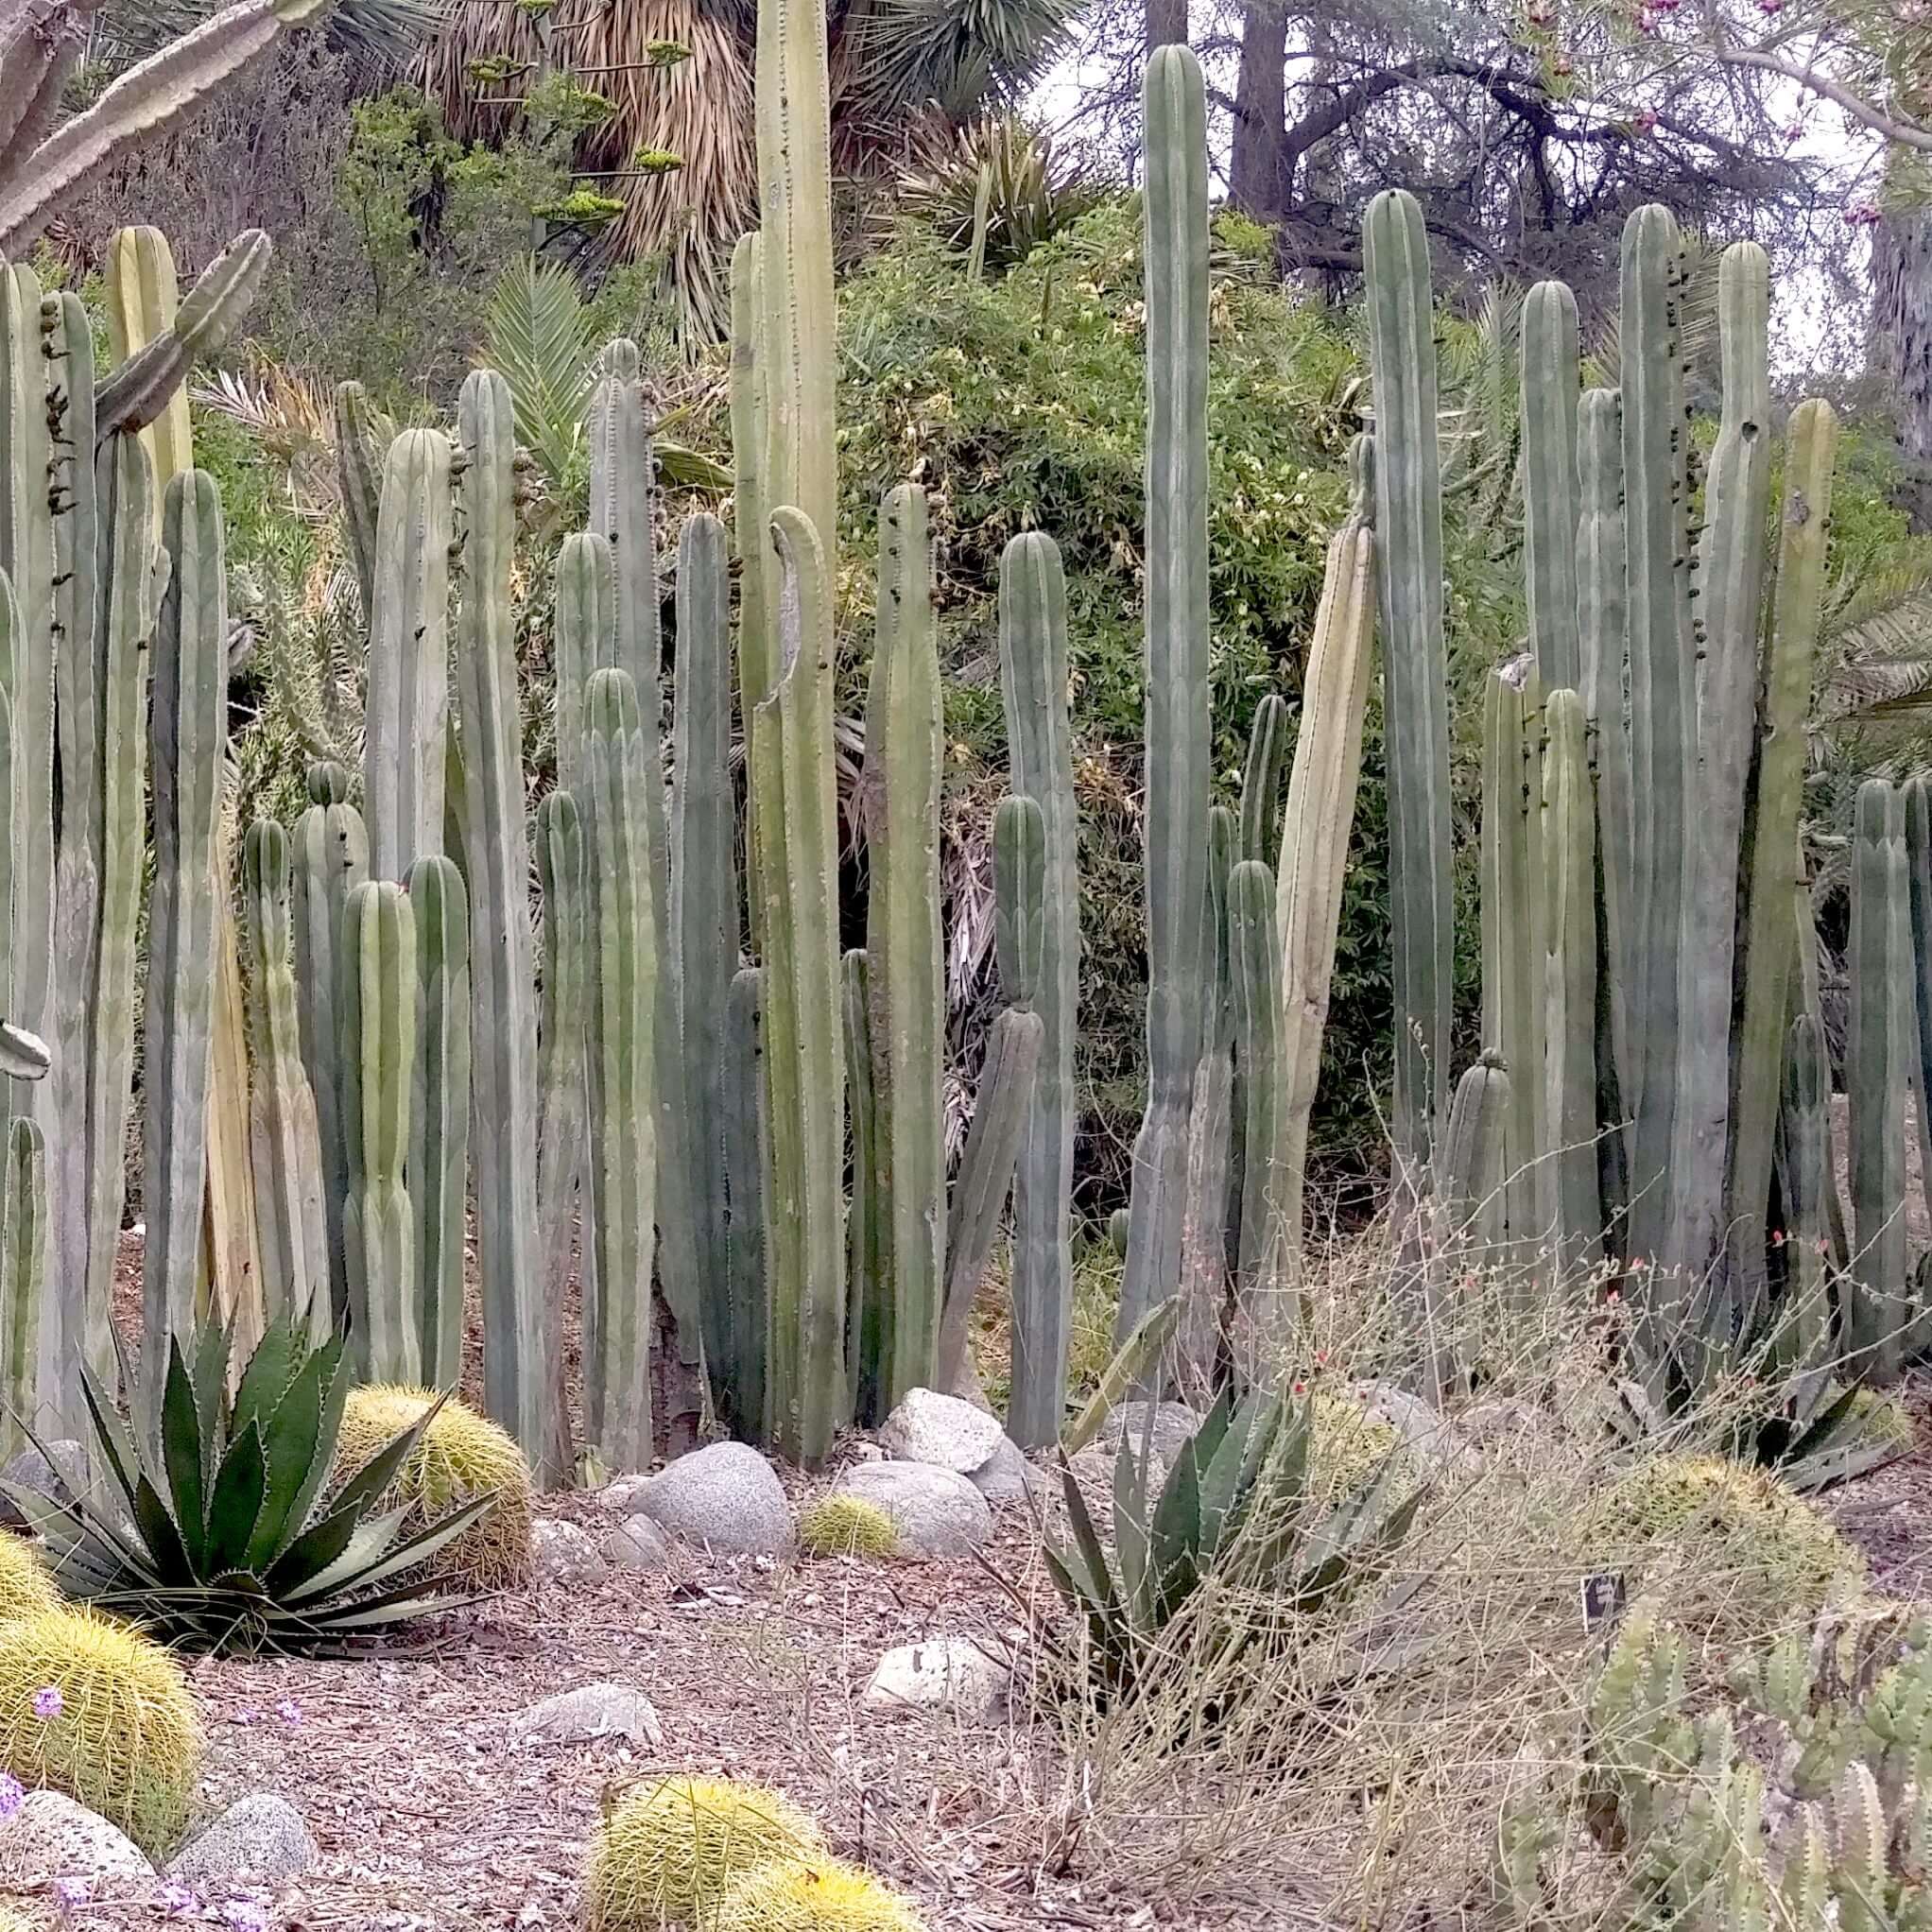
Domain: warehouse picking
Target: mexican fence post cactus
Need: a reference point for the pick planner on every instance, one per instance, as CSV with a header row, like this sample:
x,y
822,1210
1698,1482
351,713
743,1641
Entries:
x,y
24,1217
190,735
756,633
438,1165
906,976
1212,1189
1034,679
1315,830
1179,742
1807,1155
1255,953
1261,776
1473,1162
408,656
1571,931
744,1159
869,1308
1918,806
620,1161
377,988
142,298
502,1021
1408,569
1551,501
586,639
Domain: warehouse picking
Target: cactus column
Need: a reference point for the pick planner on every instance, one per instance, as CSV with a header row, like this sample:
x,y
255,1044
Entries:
x,y
23,1275
439,1116
1179,746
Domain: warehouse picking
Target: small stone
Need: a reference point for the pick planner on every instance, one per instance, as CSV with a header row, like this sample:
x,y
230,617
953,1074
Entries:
x,y
259,1839
51,1837
30,1470
940,1429
622,1494
1425,1431
1006,1476
565,1554
939,1512
639,1544
953,1674
593,1709
726,1496
1174,1426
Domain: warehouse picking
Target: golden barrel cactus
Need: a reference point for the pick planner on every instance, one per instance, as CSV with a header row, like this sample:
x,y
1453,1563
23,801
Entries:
x,y
847,1527
463,1456
25,1586
808,1896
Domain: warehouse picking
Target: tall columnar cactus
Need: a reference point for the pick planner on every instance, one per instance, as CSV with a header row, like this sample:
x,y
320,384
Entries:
x,y
1767,943
757,633
804,1057
907,979
285,1138
1730,580
1315,829
502,1021
744,1157
869,1307
1570,930
1261,775
1663,709
1877,1073
1551,501
622,997
143,297
378,1017
704,904
189,731
1179,741
1033,678
24,1218
408,656
1408,558
331,860
1473,1164
1806,1174
1918,808
439,1164
1254,954
586,639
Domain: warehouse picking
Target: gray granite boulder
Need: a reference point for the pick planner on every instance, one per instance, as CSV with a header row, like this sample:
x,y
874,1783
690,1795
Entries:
x,y
724,1496
565,1554
591,1710
259,1839
938,1510
51,1837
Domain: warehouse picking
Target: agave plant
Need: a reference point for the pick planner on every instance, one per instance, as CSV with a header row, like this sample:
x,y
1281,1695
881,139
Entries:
x,y
1238,1506
208,1523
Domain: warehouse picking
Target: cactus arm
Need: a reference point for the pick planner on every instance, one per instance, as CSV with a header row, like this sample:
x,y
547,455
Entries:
x,y
359,482
704,901
586,640
190,708
142,298
746,1155
561,1075
621,1154
24,1218
872,1309
43,44
285,1140
1570,861
1178,738
1472,1166
503,1013
1767,942
1033,679
142,102
1261,776
1255,953
408,657
1551,504
906,958
379,1001
1408,557
1315,831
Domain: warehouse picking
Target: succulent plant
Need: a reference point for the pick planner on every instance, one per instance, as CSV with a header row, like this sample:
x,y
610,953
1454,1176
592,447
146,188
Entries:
x,y
24,1584
843,1525
815,1895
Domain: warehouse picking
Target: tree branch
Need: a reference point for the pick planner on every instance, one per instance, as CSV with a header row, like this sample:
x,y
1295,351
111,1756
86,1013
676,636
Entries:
x,y
1903,132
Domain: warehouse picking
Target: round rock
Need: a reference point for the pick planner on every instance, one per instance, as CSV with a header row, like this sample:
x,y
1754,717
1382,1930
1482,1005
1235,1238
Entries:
x,y
955,1674
725,1496
938,1511
565,1554
261,1840
940,1429
51,1837
639,1544
1006,1476
1174,1425
30,1470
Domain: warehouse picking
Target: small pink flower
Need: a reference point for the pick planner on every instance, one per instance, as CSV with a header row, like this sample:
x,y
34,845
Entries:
x,y
48,1702
71,1892
177,1901
1321,1358
1644,120
289,1711
1301,1389
1612,1298
12,1794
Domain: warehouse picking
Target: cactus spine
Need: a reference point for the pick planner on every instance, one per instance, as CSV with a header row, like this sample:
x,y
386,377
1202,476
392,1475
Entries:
x,y
408,656
285,1137
621,1153
1408,558
1178,748
379,1000
190,677
1552,503
439,1116
502,1021
23,1276
907,1003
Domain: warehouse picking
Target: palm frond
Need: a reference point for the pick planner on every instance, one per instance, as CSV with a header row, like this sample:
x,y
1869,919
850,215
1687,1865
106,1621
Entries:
x,y
1876,646
382,33
955,54
539,335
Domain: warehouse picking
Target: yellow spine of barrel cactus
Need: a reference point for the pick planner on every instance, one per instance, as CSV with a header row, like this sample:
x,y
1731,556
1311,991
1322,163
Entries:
x,y
669,1852
463,1456
808,1896
25,1586
848,1527
94,1709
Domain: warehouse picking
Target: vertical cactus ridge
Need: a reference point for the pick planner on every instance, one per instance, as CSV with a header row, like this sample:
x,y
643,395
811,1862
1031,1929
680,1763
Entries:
x,y
622,512
284,1139
500,1025
1315,829
704,903
358,478
621,1156
1877,1073
756,657
25,1219
1179,746
143,296
408,656
1805,1173
872,1311
379,1000
586,639
1918,811
805,1055
331,859
1551,500
1571,932
438,1166
1730,580
1033,682
1663,698
746,1157
1019,898
1217,1012
906,961
560,1103
1261,776
1254,956
1408,558
190,734
1767,968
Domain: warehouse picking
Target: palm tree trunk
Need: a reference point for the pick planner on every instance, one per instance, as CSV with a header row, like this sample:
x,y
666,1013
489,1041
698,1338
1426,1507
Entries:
x,y
1901,346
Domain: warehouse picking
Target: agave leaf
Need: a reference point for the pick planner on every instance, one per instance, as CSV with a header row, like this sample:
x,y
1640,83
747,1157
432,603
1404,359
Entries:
x,y
75,1528
185,1457
1229,1477
1823,1468
279,1357
293,1450
320,1546
213,1344
1130,1526
330,1366
419,1548
234,1506
380,1471
1344,1540
117,1444
1819,1432
162,1534
1087,1540
1174,1538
